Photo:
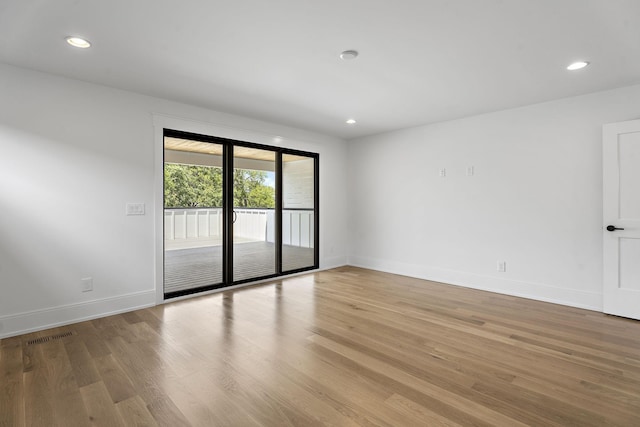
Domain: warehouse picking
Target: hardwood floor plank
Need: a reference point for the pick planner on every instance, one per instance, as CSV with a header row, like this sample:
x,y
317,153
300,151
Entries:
x,y
419,413
69,408
348,393
115,380
82,364
484,413
288,362
38,400
506,343
135,413
237,404
143,368
12,410
166,413
619,414
99,406
342,363
560,413
92,339
258,370
50,389
348,347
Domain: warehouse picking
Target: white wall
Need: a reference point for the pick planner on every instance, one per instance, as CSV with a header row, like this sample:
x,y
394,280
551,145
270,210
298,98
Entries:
x,y
534,201
86,150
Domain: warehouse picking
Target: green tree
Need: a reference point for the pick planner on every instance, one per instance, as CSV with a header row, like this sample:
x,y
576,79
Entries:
x,y
191,186
249,190
262,197
201,186
178,191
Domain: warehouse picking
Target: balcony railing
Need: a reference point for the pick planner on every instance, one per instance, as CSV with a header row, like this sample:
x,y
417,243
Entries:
x,y
192,227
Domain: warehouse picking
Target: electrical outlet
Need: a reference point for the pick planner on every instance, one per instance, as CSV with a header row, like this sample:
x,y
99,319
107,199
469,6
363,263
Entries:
x,y
502,266
469,170
87,284
443,172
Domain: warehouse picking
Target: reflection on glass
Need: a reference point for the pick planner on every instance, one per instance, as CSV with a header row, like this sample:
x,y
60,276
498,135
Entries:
x,y
192,214
297,212
254,252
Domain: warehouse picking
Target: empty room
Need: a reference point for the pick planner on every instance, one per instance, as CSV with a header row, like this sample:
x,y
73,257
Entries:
x,y
314,213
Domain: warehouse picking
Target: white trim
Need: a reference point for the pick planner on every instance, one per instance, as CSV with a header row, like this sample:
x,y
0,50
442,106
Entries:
x,y
224,131
38,320
535,291
158,208
333,262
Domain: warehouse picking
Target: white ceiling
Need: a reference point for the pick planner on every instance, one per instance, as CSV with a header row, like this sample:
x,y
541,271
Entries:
x,y
421,61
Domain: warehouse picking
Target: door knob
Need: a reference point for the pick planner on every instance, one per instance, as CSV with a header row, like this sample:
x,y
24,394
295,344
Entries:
x,y
613,228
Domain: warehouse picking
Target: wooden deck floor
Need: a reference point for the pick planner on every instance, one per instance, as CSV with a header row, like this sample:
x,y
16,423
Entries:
x,y
344,347
196,267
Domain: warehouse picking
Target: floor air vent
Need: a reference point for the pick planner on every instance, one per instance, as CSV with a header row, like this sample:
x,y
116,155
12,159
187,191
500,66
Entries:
x,y
43,340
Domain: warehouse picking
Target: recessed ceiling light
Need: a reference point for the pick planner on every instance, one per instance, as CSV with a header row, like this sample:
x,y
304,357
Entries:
x,y
78,42
349,54
351,122
577,65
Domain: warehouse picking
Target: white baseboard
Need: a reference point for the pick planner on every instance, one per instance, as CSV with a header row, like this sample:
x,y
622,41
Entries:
x,y
21,323
37,320
333,262
536,291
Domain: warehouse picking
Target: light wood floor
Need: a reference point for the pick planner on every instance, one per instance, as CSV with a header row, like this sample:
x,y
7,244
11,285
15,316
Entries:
x,y
345,347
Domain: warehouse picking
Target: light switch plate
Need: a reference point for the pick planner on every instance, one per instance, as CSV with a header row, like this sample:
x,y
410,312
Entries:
x,y
135,208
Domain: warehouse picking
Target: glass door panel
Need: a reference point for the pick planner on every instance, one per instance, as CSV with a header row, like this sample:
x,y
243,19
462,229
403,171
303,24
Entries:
x,y
298,212
193,215
254,201
235,212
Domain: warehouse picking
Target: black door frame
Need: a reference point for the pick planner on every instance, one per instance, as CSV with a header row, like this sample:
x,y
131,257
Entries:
x,y
227,209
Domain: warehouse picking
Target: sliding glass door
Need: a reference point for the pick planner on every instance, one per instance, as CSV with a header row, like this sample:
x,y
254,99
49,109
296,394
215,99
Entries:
x,y
254,202
298,212
235,212
193,214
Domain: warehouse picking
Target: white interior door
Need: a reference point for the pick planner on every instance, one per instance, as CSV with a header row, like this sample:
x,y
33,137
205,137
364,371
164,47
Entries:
x,y
621,228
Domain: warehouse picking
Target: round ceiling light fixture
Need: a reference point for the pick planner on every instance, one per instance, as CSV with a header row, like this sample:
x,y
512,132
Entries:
x,y
351,121
578,65
348,55
78,42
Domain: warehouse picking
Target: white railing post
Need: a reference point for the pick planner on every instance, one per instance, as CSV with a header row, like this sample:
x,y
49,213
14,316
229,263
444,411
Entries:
x,y
251,224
